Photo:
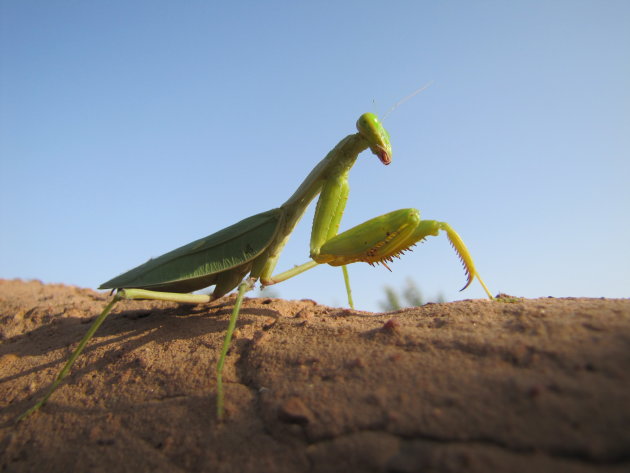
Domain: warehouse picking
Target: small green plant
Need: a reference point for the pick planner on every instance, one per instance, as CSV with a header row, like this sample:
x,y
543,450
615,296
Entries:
x,y
410,296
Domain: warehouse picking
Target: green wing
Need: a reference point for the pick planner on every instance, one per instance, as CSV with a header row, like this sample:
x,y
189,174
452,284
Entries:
x,y
196,265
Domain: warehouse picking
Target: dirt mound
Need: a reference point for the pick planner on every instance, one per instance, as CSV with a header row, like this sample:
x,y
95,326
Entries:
x,y
519,385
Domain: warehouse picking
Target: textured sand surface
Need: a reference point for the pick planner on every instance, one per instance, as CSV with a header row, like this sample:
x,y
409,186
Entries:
x,y
531,385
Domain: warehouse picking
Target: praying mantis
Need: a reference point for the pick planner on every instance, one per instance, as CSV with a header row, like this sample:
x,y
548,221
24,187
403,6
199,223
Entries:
x,y
242,254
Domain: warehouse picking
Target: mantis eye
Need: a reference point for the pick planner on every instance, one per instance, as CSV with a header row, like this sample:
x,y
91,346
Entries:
x,y
366,122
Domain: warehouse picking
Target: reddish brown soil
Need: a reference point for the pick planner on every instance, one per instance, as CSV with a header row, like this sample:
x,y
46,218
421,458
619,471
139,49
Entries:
x,y
523,385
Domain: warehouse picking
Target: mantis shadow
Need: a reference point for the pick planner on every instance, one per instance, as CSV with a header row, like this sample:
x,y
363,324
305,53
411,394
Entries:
x,y
128,330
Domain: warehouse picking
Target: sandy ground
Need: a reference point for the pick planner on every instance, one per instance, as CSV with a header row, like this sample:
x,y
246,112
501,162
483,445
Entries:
x,y
526,385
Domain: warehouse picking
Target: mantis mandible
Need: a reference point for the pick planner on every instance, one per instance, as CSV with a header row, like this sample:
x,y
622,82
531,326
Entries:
x,y
248,251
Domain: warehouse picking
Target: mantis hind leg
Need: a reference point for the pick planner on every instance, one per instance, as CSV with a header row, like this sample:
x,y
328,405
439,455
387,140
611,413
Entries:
x,y
122,294
66,369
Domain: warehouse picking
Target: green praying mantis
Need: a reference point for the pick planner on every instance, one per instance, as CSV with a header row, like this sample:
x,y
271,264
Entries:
x,y
248,251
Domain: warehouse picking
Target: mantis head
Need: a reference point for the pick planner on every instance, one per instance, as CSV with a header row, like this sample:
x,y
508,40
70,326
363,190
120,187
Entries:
x,y
377,137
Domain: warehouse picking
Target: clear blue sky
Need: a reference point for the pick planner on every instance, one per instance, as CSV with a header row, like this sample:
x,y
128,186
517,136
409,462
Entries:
x,y
130,128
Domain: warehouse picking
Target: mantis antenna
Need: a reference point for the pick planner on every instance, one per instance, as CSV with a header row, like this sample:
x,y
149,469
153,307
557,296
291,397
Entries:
x,y
408,97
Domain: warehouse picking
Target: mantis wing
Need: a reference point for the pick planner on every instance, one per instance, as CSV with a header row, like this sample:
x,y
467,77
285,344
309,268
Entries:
x,y
196,265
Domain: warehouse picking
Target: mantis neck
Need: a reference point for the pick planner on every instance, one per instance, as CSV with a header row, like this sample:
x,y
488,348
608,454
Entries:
x,y
337,162
335,165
